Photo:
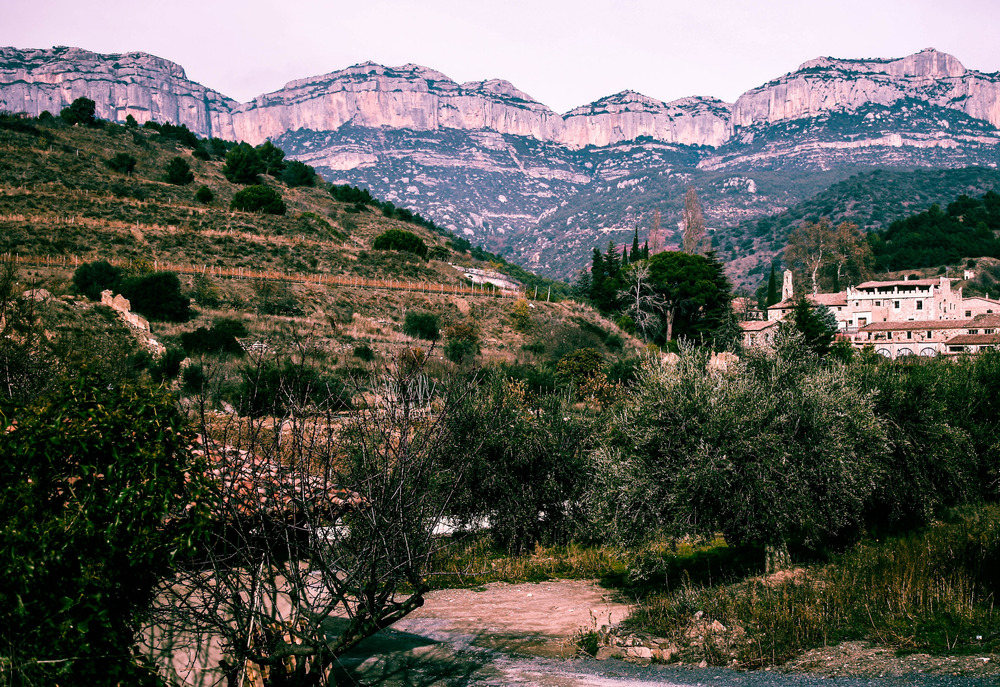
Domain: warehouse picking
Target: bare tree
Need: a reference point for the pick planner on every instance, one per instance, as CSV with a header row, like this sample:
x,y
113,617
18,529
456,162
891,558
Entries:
x,y
693,221
808,246
324,526
825,255
657,243
642,302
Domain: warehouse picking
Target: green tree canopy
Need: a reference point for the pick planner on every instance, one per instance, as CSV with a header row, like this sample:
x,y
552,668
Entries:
x,y
243,164
398,239
695,294
178,172
80,111
259,198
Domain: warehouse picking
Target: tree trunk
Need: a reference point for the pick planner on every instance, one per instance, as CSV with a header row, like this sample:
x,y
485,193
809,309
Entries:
x,y
776,557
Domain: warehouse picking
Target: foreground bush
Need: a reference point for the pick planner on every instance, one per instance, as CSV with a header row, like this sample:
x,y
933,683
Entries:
x,y
94,482
422,325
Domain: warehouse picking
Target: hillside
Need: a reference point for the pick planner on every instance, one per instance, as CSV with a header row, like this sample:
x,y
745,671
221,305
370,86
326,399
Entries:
x,y
62,201
488,162
872,199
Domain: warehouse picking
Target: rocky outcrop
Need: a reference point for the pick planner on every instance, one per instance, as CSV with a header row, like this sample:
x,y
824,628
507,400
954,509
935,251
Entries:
x,y
828,85
138,84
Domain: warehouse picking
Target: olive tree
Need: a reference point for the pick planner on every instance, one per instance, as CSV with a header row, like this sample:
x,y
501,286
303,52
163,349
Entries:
x,y
774,451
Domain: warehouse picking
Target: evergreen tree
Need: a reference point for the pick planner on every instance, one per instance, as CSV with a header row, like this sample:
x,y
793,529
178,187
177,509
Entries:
x,y
612,261
645,250
636,256
772,289
625,258
598,276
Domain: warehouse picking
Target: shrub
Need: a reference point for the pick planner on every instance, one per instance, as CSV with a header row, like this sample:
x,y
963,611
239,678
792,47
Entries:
x,y
243,164
157,296
463,342
130,122
277,389
204,194
422,325
578,366
364,352
168,365
178,172
220,338
122,163
80,111
91,278
397,239
94,485
298,173
520,315
194,378
276,298
351,194
259,199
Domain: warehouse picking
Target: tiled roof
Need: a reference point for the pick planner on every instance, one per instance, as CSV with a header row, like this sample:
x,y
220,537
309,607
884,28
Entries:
x,y
757,325
914,325
987,320
903,282
974,339
827,299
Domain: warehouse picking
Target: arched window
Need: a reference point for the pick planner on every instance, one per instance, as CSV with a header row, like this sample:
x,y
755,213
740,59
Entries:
x,y
928,352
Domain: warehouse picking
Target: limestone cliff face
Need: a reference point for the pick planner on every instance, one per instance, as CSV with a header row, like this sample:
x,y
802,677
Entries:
x,y
829,85
138,84
629,115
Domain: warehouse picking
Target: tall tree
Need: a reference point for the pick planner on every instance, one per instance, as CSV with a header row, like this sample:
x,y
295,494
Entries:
x,y
642,301
809,248
636,255
852,255
772,289
693,222
696,294
655,243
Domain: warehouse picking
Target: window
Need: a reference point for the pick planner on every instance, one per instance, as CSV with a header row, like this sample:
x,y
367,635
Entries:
x,y
888,335
909,335
930,334
973,331
895,305
920,305
879,303
968,313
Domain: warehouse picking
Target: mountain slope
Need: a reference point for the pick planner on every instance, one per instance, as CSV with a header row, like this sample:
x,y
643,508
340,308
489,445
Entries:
x,y
486,160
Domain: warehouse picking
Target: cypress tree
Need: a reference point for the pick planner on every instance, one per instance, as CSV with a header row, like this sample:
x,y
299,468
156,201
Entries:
x,y
645,250
772,289
635,246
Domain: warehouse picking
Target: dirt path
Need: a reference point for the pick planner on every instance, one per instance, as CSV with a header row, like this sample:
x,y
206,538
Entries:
x,y
522,634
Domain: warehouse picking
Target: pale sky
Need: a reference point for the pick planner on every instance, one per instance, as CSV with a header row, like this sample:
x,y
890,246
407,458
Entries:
x,y
564,53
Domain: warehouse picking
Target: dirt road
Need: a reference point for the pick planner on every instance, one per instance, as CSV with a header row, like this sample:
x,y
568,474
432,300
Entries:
x,y
523,635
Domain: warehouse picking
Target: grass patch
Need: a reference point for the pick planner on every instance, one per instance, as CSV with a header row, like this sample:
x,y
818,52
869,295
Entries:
x,y
932,591
471,560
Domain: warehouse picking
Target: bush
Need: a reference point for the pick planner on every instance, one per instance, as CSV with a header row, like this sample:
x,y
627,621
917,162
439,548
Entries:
x,y
277,389
220,338
243,164
397,239
276,298
178,172
168,365
94,487
517,464
463,342
364,352
204,194
122,163
298,173
520,315
421,325
579,366
157,296
91,278
350,194
259,199
194,378
80,111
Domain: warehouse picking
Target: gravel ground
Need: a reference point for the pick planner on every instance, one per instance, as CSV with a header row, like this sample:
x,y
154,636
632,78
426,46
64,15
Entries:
x,y
523,635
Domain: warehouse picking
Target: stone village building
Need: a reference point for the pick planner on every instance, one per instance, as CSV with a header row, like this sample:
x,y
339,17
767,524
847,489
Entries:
x,y
897,318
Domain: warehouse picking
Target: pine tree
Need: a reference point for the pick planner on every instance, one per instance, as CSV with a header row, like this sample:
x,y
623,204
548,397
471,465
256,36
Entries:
x,y
612,261
636,256
645,250
625,258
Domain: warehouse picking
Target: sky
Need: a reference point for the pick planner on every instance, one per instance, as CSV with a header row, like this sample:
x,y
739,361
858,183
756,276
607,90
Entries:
x,y
564,53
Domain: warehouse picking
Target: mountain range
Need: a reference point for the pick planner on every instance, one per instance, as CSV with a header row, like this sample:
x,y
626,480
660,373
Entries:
x,y
488,161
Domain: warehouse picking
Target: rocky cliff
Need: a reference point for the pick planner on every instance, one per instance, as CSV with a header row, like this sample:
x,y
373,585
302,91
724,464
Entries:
x,y
138,84
489,161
